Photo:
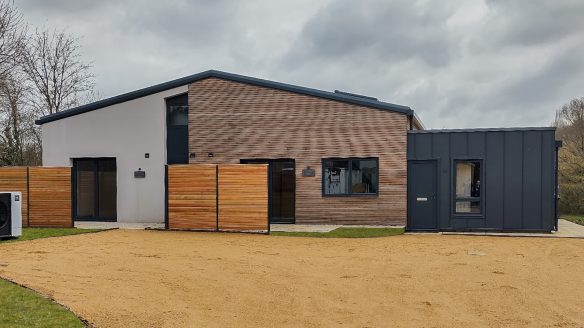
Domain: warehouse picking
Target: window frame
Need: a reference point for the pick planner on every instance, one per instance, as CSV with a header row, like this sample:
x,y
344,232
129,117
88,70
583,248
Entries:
x,y
480,199
350,162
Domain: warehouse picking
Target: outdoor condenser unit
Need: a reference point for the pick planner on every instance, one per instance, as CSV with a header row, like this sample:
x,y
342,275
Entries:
x,y
10,214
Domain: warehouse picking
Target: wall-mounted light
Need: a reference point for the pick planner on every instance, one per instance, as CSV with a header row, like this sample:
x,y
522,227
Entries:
x,y
210,155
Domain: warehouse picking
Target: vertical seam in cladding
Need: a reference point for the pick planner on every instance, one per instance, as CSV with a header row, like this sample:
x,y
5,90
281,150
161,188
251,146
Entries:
x,y
504,180
522,178
541,181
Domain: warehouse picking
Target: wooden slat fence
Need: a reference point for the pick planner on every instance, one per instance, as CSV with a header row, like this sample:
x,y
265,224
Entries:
x,y
46,194
217,197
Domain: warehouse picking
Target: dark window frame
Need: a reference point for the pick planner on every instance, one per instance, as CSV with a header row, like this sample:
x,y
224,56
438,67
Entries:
x,y
350,162
480,199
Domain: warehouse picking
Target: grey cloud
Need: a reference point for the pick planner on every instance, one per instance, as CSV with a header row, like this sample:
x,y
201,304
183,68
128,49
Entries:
x,y
457,63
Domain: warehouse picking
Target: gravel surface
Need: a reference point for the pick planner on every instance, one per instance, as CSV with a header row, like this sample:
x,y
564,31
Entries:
x,y
124,278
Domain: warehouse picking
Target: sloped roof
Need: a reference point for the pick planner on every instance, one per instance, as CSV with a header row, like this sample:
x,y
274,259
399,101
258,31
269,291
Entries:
x,y
338,96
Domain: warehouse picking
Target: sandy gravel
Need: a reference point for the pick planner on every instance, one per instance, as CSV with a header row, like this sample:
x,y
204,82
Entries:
x,y
181,279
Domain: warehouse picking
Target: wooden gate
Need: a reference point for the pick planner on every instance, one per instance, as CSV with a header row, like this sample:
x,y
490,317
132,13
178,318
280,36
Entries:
x,y
213,197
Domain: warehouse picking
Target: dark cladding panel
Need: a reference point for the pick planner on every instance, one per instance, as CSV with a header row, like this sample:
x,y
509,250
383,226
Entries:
x,y
513,170
423,145
441,147
476,144
458,144
532,142
548,150
494,174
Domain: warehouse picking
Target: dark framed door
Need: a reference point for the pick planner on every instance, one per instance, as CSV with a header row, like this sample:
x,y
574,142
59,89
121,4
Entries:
x,y
95,189
281,189
422,195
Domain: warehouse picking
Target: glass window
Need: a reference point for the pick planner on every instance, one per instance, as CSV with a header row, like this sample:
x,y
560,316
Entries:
x,y
350,176
364,176
178,115
468,187
336,177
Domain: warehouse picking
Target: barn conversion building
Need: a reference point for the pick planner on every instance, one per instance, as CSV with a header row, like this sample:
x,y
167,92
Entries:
x,y
333,157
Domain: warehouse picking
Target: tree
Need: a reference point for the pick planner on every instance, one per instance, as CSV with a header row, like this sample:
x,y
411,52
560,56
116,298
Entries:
x,y
570,129
59,78
12,36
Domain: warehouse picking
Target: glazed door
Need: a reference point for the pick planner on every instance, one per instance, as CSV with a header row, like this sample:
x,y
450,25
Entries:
x,y
282,188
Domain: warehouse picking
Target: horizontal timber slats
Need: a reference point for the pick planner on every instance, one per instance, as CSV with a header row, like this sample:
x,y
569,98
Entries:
x,y
50,197
217,197
192,197
243,197
46,194
14,179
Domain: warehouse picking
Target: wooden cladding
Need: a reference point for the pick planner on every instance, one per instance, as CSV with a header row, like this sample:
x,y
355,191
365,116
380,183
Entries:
x,y
46,194
236,121
217,197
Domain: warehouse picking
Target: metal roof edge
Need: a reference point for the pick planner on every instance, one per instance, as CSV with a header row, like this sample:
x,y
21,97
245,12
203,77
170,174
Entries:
x,y
226,76
485,130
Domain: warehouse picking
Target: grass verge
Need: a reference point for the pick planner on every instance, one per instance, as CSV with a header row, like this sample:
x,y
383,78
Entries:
x,y
22,307
35,233
345,233
578,219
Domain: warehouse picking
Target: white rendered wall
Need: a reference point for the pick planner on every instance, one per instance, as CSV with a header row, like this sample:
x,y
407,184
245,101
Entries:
x,y
125,131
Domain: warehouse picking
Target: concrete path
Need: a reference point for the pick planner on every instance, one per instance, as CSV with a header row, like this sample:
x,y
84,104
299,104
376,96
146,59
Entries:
x,y
319,227
566,229
117,225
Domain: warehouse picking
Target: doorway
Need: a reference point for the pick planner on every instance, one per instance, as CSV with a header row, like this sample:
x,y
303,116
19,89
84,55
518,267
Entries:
x,y
281,189
422,198
95,189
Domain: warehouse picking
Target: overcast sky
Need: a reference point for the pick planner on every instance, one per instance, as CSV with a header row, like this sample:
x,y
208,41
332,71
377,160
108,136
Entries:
x,y
456,63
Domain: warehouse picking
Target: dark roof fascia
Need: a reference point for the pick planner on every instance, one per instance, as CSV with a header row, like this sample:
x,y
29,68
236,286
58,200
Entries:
x,y
226,76
485,130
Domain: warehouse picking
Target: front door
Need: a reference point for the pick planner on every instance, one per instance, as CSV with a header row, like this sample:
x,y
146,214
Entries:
x,y
95,189
282,188
422,195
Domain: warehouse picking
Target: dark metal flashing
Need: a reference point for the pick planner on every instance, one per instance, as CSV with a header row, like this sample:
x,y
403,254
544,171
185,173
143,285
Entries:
x,y
343,97
484,130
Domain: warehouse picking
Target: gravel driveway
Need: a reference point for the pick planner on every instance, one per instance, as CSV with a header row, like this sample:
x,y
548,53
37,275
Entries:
x,y
125,278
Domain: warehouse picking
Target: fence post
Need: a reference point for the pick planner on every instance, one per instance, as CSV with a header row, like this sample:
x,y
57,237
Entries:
x,y
27,196
166,222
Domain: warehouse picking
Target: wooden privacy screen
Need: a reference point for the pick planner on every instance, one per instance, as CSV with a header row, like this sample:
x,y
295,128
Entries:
x,y
243,197
217,197
46,194
49,191
192,197
14,179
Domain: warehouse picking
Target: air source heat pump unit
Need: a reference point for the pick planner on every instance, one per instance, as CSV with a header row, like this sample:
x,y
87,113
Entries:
x,y
10,214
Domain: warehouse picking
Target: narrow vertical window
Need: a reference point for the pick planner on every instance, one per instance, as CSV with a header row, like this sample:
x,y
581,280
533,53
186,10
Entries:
x,y
468,187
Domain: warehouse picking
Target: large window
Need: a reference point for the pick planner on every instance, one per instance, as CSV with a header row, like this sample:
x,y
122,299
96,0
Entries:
x,y
350,177
468,187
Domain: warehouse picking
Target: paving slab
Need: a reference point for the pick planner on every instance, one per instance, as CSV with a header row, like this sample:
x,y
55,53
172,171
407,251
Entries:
x,y
118,225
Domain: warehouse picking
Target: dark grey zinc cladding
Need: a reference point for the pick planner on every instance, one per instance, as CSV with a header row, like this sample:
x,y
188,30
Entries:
x,y
518,191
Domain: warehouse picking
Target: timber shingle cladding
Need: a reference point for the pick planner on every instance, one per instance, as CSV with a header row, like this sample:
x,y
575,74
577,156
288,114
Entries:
x,y
237,121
